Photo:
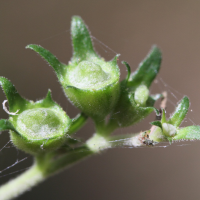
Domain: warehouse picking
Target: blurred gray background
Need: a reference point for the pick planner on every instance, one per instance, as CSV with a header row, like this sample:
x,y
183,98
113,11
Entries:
x,y
128,27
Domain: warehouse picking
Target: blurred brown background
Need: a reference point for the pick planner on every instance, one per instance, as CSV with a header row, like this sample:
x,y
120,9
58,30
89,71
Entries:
x,y
128,27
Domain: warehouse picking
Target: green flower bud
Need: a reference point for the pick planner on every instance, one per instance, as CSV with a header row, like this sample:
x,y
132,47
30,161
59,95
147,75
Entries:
x,y
156,134
141,95
90,83
169,128
135,103
37,127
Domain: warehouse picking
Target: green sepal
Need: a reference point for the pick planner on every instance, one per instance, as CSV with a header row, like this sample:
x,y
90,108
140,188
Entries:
x,y
47,101
6,125
147,70
114,64
163,118
180,112
81,40
128,70
77,123
15,101
157,123
188,133
50,58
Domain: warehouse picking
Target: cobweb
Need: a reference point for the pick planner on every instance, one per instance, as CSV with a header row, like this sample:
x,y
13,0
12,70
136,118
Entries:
x,y
12,161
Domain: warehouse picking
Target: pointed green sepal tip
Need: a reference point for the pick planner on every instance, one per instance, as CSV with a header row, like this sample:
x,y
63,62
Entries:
x,y
128,70
16,102
47,101
81,40
157,123
148,69
113,62
188,133
50,58
180,112
163,118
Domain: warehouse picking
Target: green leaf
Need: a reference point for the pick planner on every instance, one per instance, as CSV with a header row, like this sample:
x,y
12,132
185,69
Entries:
x,y
77,123
188,133
157,123
50,58
82,43
16,102
180,112
147,70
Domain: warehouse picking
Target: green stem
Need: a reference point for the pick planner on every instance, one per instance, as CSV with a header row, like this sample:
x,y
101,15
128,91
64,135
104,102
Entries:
x,y
67,160
77,123
48,165
22,183
43,167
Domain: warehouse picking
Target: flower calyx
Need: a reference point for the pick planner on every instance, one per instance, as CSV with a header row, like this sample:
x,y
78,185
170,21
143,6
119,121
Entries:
x,y
39,126
90,83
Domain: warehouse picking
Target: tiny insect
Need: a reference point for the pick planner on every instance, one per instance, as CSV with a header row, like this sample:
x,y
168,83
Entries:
x,y
146,140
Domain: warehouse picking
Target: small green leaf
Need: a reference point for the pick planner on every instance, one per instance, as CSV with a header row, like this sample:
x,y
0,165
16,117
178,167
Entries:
x,y
180,112
16,102
50,58
147,70
157,123
188,133
82,43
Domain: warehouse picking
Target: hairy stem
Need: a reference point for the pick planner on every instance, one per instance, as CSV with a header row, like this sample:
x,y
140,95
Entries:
x,y
48,165
22,183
